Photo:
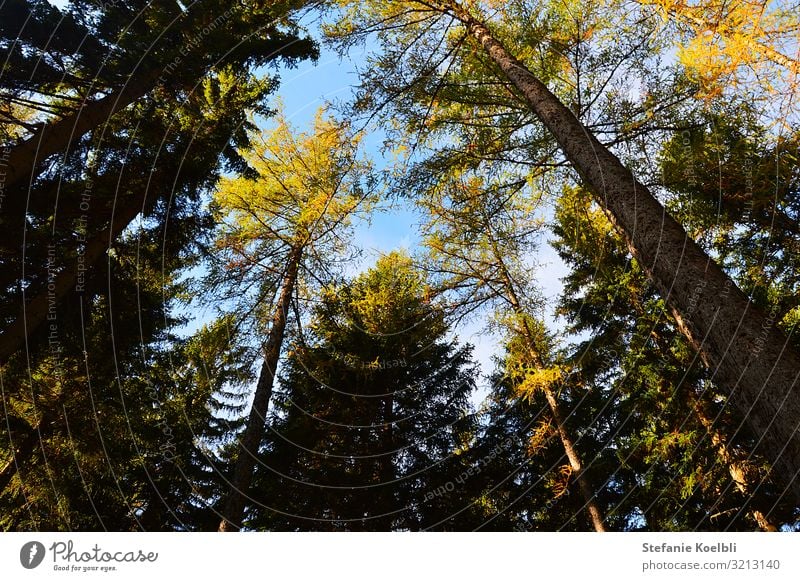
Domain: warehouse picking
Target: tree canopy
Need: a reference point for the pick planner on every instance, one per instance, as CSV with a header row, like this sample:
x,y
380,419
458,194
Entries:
x,y
203,326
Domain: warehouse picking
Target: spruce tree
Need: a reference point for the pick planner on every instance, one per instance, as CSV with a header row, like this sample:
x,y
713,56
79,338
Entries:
x,y
373,407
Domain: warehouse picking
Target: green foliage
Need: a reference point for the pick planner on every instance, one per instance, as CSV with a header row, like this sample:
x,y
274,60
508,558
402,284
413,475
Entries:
x,y
735,186
372,407
667,425
121,411
115,421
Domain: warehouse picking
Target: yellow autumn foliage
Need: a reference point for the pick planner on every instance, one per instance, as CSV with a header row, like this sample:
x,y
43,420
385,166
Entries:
x,y
307,183
537,379
725,40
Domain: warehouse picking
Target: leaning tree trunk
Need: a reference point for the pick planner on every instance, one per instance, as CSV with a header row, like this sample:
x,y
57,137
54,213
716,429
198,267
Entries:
x,y
575,464
20,161
250,442
748,355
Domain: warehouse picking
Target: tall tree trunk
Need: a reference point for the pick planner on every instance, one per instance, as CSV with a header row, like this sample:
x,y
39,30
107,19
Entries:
x,y
737,467
233,509
749,356
21,160
37,310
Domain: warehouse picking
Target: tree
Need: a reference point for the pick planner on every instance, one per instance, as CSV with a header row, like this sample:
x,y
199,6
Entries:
x,y
723,39
156,41
293,214
736,339
684,461
60,263
139,139
479,236
76,273
736,190
104,430
372,412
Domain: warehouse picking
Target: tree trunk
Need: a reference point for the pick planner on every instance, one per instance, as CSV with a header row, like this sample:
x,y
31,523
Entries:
x,y
595,516
43,304
250,442
21,160
748,355
567,442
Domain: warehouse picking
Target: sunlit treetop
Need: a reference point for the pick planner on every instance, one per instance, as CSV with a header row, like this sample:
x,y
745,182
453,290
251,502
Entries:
x,y
304,183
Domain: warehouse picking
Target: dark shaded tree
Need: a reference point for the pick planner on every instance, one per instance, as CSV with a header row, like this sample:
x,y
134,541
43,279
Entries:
x,y
373,407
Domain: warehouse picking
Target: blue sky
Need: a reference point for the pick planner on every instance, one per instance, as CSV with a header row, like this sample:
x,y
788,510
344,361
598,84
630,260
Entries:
x,y
303,90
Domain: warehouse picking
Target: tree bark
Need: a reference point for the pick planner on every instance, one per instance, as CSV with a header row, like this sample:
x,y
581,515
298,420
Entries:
x,y
250,442
21,160
749,357
595,515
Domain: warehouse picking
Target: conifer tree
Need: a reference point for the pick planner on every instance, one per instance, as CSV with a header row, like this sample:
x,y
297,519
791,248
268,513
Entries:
x,y
684,460
481,238
372,408
283,230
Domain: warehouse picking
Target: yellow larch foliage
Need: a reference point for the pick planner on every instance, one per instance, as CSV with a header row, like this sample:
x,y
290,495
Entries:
x,y
306,182
558,480
725,39
537,379
541,434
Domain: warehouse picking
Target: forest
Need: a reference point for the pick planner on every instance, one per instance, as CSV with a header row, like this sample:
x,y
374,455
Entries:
x,y
195,334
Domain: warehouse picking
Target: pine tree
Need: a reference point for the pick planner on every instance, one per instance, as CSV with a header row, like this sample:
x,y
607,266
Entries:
x,y
121,53
89,303
105,425
157,153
